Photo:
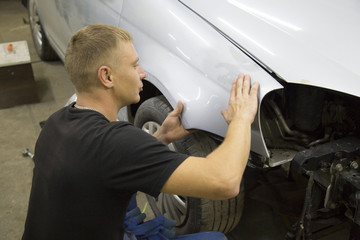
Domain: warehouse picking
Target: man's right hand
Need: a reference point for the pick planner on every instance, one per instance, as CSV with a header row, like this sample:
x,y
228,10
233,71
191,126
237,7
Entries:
x,y
243,100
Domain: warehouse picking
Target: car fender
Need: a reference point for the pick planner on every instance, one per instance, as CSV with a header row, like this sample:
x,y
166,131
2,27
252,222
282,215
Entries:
x,y
189,61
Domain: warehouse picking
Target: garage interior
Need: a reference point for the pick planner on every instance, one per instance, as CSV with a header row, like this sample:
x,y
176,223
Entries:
x,y
48,89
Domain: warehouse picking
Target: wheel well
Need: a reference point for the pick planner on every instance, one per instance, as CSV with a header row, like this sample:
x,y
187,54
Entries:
x,y
149,91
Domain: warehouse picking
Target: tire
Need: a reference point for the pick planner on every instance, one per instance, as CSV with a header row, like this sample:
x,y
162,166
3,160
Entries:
x,y
191,214
41,43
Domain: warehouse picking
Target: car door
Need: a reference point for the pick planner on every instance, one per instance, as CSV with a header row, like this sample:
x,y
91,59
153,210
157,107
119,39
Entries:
x,y
62,18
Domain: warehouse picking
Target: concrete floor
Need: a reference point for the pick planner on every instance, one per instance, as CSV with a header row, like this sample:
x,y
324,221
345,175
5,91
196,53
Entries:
x,y
19,125
19,128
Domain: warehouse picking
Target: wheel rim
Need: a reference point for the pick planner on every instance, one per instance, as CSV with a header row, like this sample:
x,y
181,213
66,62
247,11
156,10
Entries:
x,y
35,25
170,205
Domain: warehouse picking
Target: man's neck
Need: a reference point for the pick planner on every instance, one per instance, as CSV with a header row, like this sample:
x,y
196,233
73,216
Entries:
x,y
99,103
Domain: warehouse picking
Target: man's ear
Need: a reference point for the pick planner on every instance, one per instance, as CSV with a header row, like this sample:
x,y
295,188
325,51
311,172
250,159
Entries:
x,y
105,76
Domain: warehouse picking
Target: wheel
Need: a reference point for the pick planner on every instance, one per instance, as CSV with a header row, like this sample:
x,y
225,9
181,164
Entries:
x,y
191,214
42,45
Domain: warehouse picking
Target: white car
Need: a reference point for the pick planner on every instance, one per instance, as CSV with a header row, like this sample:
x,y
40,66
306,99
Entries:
x,y
305,55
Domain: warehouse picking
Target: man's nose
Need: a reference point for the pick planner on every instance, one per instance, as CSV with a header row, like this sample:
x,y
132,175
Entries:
x,y
142,73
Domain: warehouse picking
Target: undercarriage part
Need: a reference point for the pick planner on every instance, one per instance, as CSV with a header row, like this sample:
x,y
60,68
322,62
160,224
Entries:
x,y
322,156
355,232
299,109
303,228
300,117
334,167
280,157
256,160
281,118
326,138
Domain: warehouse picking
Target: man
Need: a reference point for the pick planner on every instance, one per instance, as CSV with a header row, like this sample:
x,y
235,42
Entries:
x,y
88,165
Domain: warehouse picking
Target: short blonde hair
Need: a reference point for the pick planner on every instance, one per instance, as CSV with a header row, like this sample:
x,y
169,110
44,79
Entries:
x,y
90,48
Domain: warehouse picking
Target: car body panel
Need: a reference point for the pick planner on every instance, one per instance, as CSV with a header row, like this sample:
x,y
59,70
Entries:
x,y
62,18
199,74
314,36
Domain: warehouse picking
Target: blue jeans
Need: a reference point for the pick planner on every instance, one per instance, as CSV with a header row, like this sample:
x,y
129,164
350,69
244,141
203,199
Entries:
x,y
129,236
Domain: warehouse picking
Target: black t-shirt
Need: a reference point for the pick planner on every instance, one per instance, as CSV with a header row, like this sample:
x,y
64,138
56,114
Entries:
x,y
86,170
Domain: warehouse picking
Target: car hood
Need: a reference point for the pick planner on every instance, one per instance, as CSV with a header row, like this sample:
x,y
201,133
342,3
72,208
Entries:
x,y
307,42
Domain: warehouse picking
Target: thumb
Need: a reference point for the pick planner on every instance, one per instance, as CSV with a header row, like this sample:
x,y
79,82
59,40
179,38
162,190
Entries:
x,y
224,113
178,110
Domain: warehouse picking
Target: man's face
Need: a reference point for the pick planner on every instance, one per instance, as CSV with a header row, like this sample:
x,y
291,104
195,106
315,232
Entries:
x,y
127,75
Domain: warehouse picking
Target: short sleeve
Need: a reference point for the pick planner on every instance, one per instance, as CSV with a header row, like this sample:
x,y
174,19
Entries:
x,y
133,160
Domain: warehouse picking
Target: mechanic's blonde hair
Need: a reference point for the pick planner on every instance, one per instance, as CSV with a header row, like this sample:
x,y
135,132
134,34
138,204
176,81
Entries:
x,y
89,48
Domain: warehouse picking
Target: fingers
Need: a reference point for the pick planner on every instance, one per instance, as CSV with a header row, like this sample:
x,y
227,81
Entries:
x,y
233,91
239,83
236,88
243,85
254,89
246,84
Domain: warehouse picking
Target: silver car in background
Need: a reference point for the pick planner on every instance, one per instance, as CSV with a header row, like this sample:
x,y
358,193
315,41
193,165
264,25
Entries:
x,y
305,54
